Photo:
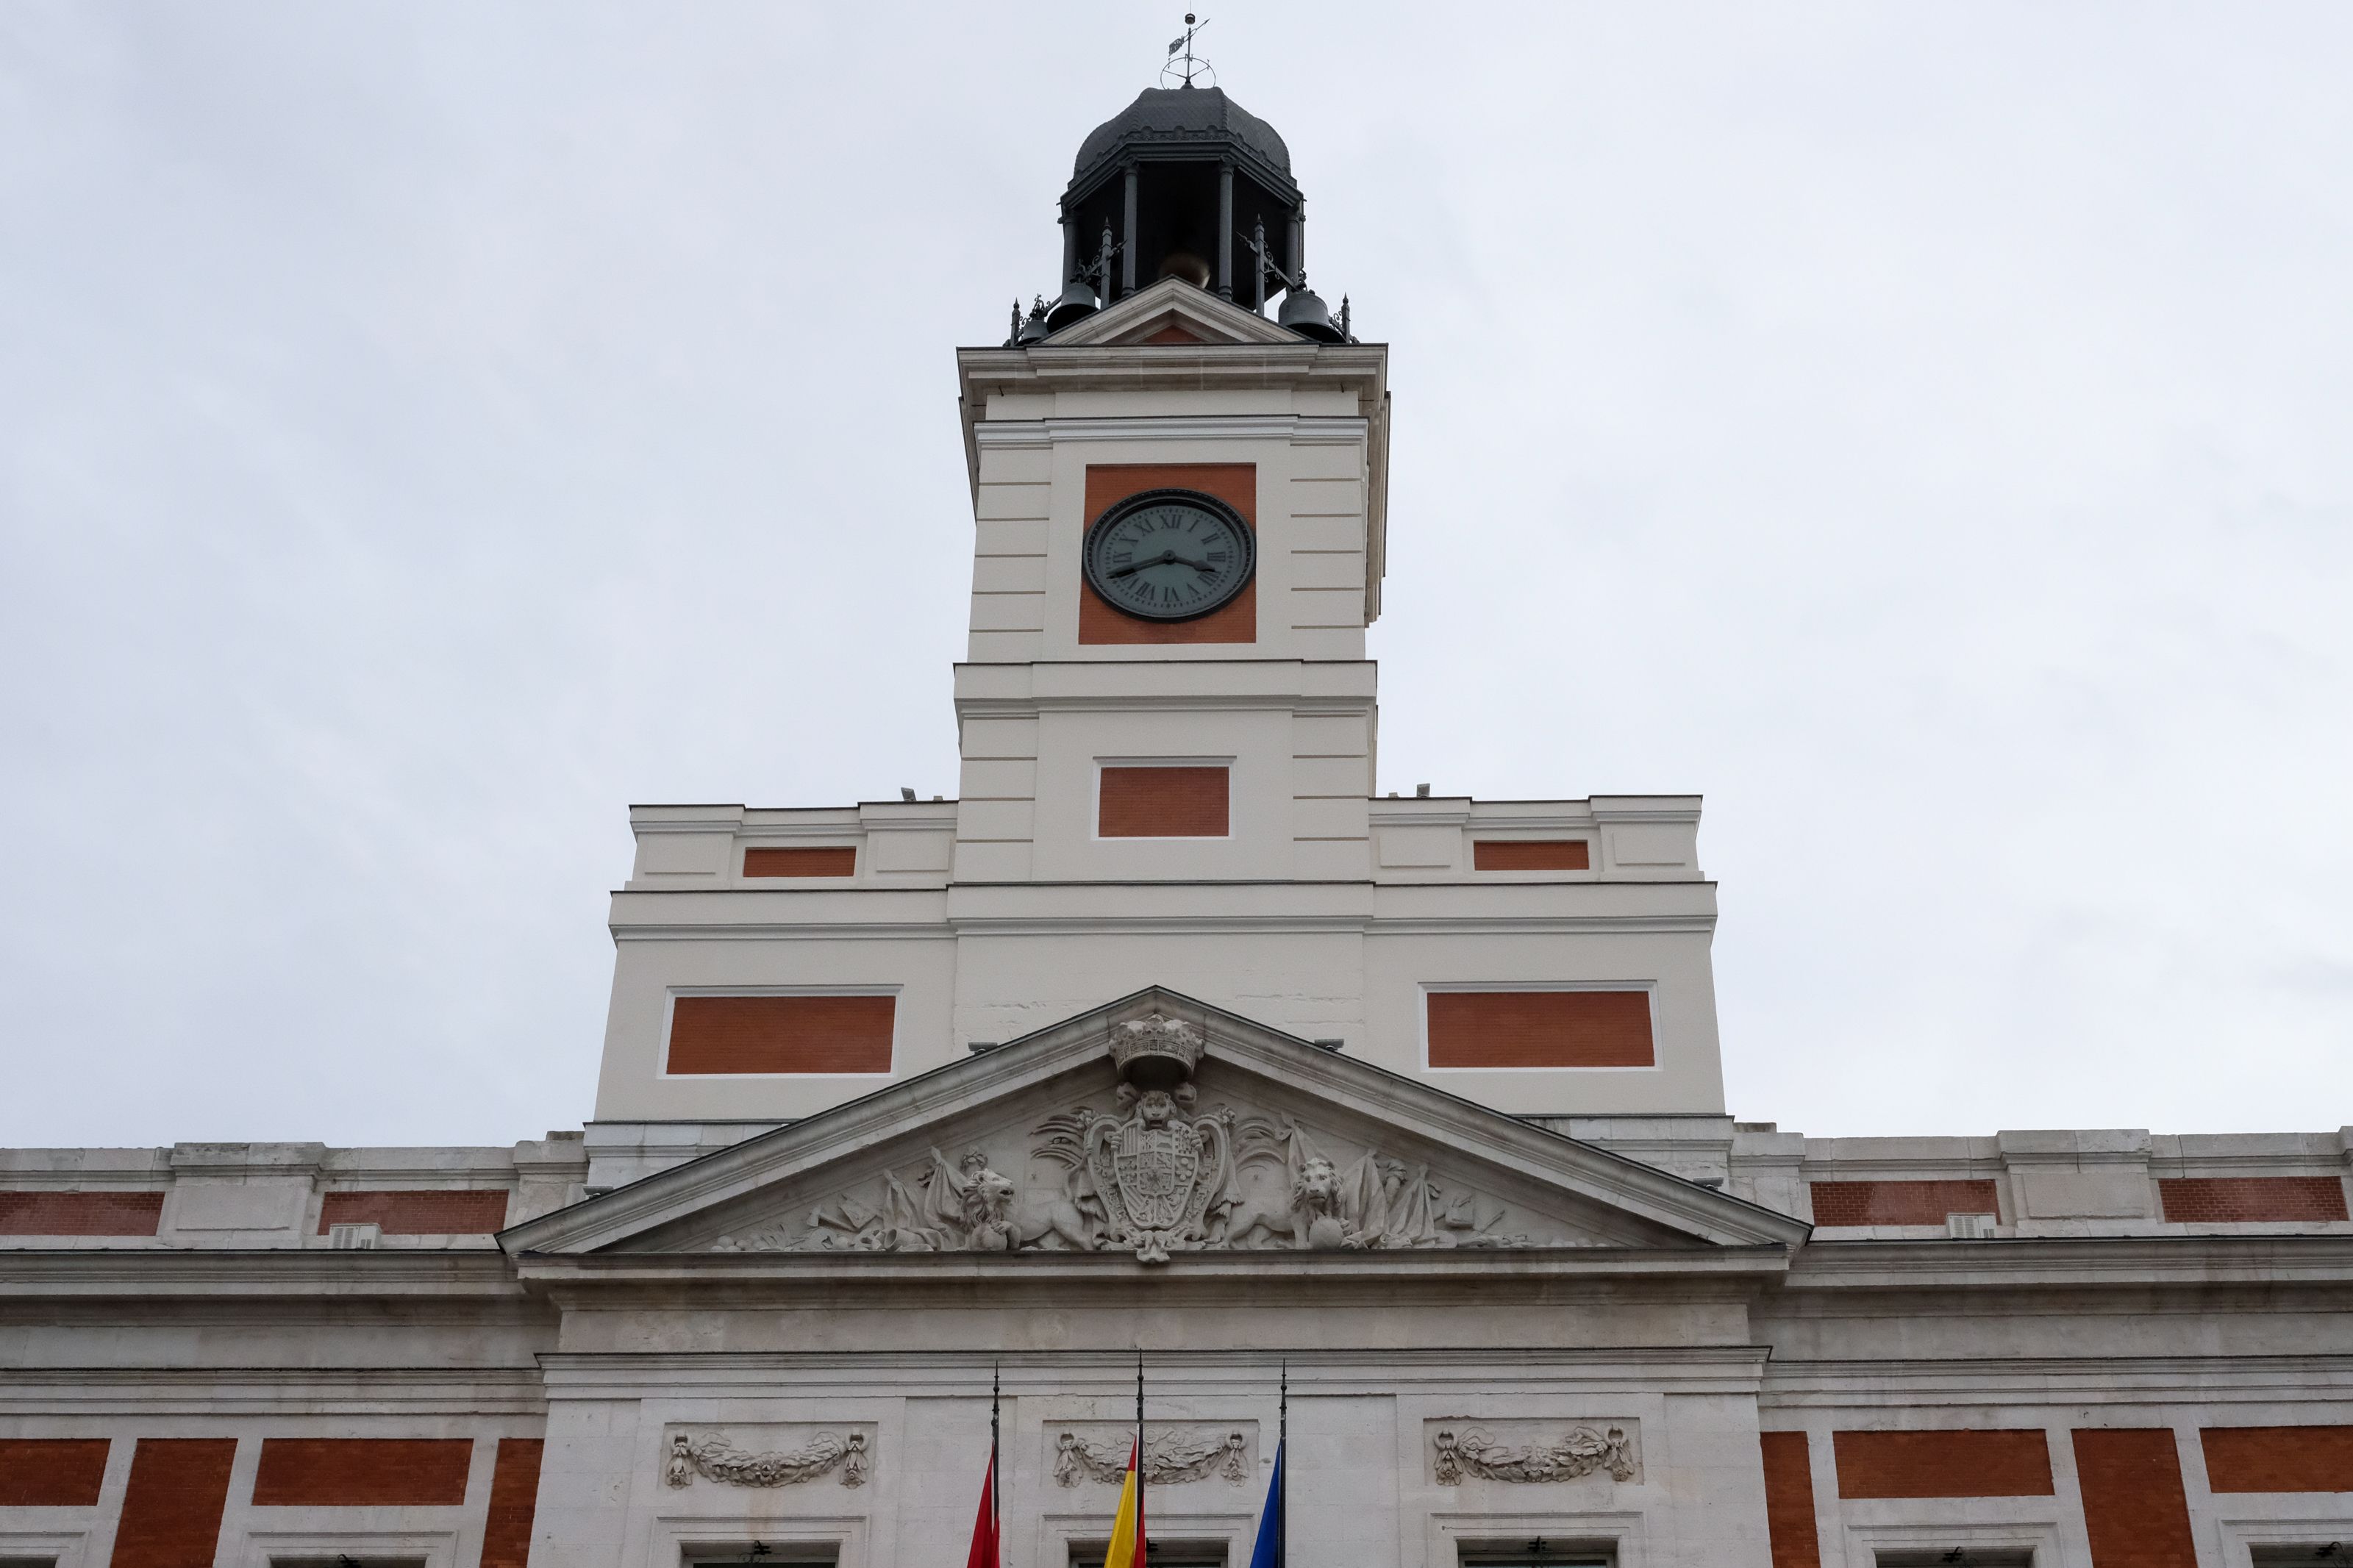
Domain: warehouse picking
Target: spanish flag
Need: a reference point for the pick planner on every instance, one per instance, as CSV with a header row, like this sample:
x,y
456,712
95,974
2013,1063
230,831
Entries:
x,y
1126,1549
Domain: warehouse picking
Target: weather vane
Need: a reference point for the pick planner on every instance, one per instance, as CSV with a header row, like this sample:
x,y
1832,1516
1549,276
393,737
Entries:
x,y
1183,64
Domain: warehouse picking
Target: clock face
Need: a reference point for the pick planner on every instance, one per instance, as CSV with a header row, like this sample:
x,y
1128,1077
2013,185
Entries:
x,y
1169,555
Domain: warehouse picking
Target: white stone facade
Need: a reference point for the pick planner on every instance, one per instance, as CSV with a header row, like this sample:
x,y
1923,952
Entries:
x,y
1173,1097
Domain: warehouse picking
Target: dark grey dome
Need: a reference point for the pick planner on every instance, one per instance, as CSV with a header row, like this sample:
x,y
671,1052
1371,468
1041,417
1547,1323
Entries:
x,y
1174,117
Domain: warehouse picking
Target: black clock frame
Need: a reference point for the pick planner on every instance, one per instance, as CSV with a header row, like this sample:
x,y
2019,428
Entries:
x,y
1126,507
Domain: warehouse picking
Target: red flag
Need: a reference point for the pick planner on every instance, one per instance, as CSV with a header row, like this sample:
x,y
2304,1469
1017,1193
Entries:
x,y
983,1529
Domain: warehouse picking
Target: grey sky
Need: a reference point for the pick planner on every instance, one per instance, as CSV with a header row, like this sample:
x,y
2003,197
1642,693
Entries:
x,y
425,429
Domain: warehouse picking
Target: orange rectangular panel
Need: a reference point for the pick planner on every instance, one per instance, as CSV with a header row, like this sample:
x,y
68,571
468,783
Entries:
x,y
473,1211
1540,1030
1531,854
351,1472
2001,1462
2134,1506
1163,802
826,860
80,1214
781,1034
1236,484
1789,1501
515,1500
51,1472
2212,1200
172,1510
1900,1203
2278,1458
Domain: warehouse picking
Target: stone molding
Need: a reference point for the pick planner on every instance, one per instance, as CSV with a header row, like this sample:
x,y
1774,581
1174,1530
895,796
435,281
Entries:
x,y
1531,1452
844,1454
1173,1452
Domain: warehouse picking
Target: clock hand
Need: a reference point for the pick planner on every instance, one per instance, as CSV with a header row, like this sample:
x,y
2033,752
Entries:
x,y
1166,558
1161,559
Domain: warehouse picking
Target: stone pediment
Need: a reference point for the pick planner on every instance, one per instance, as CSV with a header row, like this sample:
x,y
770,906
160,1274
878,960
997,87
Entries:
x,y
1154,1129
1174,311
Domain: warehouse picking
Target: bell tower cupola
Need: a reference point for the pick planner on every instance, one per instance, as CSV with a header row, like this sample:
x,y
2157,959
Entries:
x,y
1184,182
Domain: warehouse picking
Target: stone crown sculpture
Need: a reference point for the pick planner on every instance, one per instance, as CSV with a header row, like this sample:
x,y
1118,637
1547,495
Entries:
x,y
1156,1051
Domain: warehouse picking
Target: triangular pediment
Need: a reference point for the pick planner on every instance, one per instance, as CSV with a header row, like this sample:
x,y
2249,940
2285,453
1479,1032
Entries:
x,y
1152,1129
1174,311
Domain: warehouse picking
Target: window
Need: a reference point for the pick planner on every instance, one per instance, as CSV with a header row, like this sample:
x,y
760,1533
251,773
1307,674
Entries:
x,y
1162,1554
799,1554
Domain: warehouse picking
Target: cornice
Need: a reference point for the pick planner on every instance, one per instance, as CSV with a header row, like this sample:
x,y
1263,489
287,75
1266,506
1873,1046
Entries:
x,y
1299,429
838,1280
258,1273
1681,1368
2030,1380
150,1391
2012,1263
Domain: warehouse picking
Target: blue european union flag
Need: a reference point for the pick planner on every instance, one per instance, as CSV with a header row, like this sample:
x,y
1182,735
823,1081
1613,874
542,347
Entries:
x,y
1268,1553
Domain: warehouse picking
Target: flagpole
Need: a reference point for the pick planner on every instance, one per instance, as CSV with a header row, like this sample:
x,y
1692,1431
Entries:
x,y
995,1488
1140,1537
1283,1473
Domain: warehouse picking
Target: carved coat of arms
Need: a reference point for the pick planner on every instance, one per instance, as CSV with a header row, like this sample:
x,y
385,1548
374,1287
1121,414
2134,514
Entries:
x,y
1155,1172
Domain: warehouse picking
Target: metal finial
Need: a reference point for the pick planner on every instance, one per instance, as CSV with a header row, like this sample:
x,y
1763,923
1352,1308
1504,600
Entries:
x,y
1183,65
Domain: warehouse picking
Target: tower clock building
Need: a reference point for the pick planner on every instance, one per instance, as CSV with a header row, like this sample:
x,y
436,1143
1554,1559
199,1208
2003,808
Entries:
x,y
1389,1129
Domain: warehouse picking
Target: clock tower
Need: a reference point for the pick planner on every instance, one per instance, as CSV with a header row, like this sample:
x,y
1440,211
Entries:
x,y
1178,463
1177,511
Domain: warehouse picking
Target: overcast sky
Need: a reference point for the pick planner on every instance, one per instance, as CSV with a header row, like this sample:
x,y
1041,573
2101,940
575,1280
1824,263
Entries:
x,y
1926,432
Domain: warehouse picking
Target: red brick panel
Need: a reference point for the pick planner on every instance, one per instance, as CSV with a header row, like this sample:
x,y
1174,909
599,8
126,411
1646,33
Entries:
x,y
1236,484
2222,1199
1789,1501
172,1510
51,1472
1163,802
2003,1462
2133,1502
1900,1203
468,1211
1531,854
810,860
2278,1458
781,1034
80,1214
514,1498
347,1472
1540,1030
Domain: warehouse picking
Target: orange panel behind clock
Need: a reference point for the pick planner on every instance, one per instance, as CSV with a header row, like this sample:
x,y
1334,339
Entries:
x,y
1236,484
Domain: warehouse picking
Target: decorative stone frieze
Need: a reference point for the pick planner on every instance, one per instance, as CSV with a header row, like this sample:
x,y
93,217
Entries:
x,y
1529,1452
843,1454
1173,1454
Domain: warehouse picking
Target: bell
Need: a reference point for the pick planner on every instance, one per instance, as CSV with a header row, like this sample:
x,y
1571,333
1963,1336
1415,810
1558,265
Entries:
x,y
1304,313
1077,303
1032,331
1185,265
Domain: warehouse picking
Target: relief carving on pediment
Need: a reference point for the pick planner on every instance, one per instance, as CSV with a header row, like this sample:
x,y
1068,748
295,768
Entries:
x,y
843,1454
1530,1451
1146,1176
